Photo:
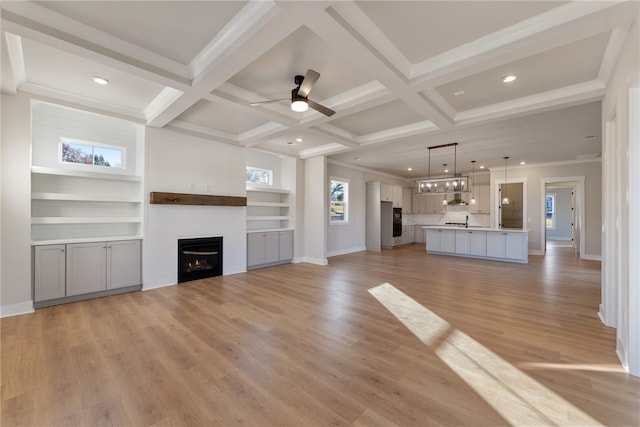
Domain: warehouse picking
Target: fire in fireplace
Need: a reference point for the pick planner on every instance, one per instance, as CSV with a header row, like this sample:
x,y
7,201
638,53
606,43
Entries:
x,y
199,258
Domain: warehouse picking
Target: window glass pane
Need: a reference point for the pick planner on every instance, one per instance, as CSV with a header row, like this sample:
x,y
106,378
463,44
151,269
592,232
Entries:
x,y
259,176
338,201
87,154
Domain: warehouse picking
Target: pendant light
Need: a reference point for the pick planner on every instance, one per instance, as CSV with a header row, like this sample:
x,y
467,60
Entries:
x,y
473,182
505,199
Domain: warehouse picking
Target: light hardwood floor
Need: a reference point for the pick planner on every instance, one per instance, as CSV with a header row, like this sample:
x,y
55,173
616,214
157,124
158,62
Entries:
x,y
306,345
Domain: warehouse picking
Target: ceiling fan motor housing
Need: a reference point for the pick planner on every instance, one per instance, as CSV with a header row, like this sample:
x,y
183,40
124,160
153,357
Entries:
x,y
298,80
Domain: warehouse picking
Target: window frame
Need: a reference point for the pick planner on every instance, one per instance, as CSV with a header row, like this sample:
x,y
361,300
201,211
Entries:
x,y
269,173
344,202
123,154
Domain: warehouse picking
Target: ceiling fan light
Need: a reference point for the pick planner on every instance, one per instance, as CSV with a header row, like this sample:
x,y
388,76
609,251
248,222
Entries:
x,y
299,105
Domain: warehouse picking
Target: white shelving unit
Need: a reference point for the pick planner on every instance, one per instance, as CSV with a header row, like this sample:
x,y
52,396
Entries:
x,y
267,209
69,205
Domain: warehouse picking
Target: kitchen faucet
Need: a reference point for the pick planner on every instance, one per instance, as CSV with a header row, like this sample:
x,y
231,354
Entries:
x,y
466,222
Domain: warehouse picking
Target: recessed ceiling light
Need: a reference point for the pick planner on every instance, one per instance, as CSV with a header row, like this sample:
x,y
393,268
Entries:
x,y
509,78
409,169
100,80
299,139
523,163
458,93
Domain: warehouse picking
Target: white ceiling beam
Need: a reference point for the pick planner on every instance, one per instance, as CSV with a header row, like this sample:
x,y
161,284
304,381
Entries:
x,y
572,95
611,53
342,36
230,63
52,29
16,62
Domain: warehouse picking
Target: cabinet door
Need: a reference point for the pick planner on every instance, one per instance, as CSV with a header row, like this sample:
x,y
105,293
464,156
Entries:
x,y
419,203
123,264
271,247
433,240
407,199
49,272
255,249
434,204
514,246
86,268
419,234
286,245
448,241
495,244
482,204
478,243
386,193
396,196
462,242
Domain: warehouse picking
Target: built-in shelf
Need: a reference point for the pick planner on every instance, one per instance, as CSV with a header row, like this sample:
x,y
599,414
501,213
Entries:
x,y
42,170
69,205
267,209
83,240
82,220
75,197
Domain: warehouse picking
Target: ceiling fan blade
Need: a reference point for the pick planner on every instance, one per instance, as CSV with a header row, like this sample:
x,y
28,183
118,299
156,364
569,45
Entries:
x,y
269,101
321,108
310,79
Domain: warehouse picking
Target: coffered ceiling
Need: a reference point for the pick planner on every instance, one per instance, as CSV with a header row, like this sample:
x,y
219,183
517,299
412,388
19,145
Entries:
x,y
401,76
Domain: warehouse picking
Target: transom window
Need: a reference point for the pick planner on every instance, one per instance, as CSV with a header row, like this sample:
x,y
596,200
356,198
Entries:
x,y
91,153
339,201
259,176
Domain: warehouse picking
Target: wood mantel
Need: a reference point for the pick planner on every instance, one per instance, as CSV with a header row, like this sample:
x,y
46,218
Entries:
x,y
159,198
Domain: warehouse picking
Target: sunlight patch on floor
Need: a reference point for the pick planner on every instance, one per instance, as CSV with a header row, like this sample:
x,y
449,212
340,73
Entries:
x,y
518,398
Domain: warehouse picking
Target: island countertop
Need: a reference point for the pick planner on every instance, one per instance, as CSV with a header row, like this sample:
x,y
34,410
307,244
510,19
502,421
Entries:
x,y
474,227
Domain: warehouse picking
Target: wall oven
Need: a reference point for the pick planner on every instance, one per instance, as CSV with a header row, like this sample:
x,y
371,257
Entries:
x,y
397,222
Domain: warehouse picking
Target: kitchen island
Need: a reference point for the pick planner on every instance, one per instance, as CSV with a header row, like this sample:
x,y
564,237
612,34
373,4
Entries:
x,y
499,244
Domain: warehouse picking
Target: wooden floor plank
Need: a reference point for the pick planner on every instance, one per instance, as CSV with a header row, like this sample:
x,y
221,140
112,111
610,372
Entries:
x,y
302,344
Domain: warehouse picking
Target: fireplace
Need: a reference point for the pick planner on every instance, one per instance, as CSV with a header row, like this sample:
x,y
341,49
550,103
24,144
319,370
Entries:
x,y
199,258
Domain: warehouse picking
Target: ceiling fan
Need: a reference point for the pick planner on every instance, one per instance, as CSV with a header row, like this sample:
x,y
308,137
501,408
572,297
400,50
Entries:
x,y
299,95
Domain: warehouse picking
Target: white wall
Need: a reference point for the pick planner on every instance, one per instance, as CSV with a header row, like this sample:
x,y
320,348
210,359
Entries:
x,y
186,164
620,306
15,234
351,237
316,210
591,170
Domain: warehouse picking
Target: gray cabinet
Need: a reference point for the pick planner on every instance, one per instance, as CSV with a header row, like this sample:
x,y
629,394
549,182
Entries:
x,y
64,273
269,247
471,242
123,264
439,240
419,234
99,266
507,245
49,278
86,268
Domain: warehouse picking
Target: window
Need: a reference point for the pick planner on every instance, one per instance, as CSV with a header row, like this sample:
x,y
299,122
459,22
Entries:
x,y
551,211
259,176
91,153
338,201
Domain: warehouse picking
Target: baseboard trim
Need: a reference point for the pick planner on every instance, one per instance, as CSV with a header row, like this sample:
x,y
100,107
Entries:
x,y
147,287
347,251
536,252
317,261
592,257
17,309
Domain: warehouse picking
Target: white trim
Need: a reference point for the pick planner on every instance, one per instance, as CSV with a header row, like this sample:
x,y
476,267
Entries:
x,y
365,169
317,261
579,206
346,251
16,309
591,257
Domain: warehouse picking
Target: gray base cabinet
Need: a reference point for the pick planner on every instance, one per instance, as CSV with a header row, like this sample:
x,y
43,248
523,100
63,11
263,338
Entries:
x,y
65,273
50,272
267,248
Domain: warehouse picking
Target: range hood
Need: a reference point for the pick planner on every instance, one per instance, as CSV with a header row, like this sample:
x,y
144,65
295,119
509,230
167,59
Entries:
x,y
457,200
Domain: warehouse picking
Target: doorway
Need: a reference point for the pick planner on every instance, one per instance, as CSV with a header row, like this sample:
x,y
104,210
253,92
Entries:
x,y
562,213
